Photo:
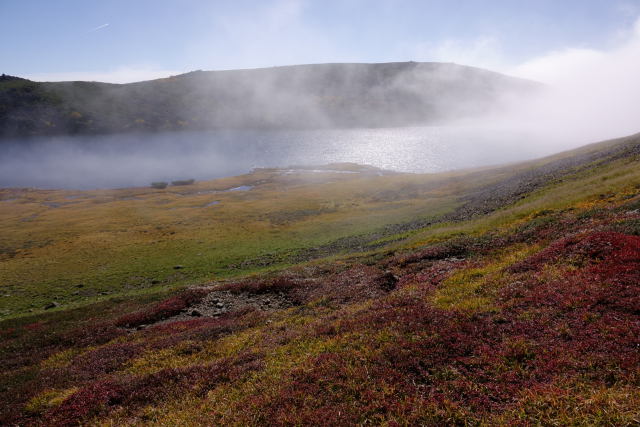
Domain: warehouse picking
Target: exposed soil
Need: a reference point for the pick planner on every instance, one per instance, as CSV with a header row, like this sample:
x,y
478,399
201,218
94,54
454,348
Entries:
x,y
217,303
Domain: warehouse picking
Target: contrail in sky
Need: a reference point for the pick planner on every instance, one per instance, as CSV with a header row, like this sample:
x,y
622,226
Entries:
x,y
99,27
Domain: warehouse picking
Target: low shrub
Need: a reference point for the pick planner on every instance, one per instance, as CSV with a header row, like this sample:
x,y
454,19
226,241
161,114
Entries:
x,y
183,182
131,392
262,286
457,247
104,359
167,308
577,250
631,226
160,185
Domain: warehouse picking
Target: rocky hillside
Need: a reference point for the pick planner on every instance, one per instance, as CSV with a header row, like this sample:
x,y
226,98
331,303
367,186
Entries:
x,y
503,296
301,96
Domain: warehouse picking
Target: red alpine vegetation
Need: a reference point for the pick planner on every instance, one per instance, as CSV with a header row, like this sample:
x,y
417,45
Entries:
x,y
578,250
131,391
167,308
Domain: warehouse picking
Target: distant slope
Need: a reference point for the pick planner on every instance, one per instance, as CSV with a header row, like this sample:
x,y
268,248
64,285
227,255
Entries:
x,y
301,96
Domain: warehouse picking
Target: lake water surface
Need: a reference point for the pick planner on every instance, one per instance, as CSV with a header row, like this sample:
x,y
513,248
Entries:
x,y
86,162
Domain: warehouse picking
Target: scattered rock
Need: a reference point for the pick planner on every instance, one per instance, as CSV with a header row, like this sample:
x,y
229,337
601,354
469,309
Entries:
x,y
155,281
51,305
218,303
80,285
178,267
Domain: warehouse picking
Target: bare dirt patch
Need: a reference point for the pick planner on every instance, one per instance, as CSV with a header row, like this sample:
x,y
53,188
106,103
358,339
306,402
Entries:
x,y
218,303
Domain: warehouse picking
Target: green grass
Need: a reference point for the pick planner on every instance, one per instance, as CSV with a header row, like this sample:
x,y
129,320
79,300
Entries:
x,y
127,242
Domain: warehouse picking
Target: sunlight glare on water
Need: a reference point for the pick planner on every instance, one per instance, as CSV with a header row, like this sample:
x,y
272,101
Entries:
x,y
112,161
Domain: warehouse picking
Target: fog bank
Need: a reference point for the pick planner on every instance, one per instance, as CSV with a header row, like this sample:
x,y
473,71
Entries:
x,y
590,94
87,162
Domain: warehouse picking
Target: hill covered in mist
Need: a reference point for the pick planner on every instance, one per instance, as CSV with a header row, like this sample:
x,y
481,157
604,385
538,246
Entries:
x,y
300,96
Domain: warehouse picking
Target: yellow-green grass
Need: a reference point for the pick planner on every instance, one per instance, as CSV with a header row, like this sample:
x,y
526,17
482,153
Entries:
x,y
592,188
124,242
473,289
76,247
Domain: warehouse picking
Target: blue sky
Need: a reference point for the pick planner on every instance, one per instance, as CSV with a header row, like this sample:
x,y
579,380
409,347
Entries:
x,y
131,40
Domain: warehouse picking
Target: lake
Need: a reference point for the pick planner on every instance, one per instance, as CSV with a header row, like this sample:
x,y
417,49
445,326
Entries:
x,y
112,161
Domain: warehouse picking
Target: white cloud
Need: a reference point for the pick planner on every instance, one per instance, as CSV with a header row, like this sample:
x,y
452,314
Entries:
x,y
99,27
577,64
593,94
118,75
558,66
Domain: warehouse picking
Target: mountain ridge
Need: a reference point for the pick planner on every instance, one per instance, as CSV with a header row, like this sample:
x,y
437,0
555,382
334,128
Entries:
x,y
293,96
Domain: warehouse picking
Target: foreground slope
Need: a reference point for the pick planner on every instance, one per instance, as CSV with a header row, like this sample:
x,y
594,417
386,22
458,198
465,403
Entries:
x,y
300,96
518,303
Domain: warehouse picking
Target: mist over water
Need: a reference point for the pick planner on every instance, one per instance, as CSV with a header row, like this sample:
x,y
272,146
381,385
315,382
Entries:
x,y
114,161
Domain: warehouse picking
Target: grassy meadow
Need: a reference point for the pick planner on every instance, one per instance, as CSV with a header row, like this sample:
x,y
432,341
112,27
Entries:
x,y
76,247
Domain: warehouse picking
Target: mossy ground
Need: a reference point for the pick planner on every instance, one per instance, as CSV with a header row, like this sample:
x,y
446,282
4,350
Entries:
x,y
524,316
